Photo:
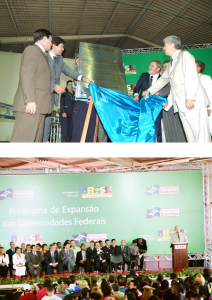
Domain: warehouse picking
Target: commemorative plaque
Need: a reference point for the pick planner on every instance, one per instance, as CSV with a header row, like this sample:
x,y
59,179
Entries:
x,y
104,65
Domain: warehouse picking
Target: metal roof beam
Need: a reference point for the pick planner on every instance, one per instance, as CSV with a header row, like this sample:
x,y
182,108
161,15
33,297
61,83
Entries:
x,y
24,39
11,15
50,16
80,27
111,18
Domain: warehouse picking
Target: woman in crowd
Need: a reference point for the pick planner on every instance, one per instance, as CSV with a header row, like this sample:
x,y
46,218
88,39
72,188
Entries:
x,y
4,262
38,247
203,287
33,289
43,253
19,263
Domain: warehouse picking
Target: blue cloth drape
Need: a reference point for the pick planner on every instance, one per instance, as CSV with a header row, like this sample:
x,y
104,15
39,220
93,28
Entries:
x,y
124,119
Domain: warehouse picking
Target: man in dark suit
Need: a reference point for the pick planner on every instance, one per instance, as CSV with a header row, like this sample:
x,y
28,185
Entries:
x,y
90,254
33,100
23,248
145,81
81,259
10,253
113,247
100,263
34,261
142,246
107,251
52,260
57,67
125,252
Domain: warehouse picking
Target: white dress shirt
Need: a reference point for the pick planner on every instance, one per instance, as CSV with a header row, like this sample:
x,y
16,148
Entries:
x,y
52,254
154,79
4,259
79,78
41,47
83,255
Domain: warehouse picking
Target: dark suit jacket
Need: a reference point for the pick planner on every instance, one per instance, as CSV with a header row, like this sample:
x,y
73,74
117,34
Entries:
x,y
97,256
34,260
143,84
107,252
48,258
79,257
10,254
113,250
143,245
67,102
125,251
34,83
90,253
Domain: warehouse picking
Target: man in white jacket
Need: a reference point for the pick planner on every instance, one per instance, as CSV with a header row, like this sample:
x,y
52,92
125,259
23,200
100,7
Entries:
x,y
188,94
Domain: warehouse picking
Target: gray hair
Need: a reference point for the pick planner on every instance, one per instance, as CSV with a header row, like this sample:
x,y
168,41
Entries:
x,y
173,39
158,63
61,288
176,226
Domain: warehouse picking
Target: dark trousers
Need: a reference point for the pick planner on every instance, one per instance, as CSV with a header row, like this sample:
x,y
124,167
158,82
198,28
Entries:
x,y
66,128
3,271
125,261
59,268
85,265
11,269
142,262
78,121
158,127
100,266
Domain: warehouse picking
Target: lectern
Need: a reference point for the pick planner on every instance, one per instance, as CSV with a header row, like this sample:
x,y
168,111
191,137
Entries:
x,y
179,256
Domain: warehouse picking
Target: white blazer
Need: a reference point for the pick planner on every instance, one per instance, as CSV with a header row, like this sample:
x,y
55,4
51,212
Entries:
x,y
17,259
5,259
175,239
207,84
184,82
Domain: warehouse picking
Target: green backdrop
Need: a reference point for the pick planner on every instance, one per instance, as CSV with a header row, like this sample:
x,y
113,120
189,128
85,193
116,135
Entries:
x,y
142,61
52,208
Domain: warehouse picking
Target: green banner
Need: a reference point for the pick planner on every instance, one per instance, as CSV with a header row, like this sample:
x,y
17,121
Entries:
x,y
84,207
136,64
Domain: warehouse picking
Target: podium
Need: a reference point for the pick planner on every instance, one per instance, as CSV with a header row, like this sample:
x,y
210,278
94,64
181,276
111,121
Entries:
x,y
179,256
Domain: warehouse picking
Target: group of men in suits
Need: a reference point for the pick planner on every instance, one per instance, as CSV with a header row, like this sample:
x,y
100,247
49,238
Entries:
x,y
39,87
189,97
96,257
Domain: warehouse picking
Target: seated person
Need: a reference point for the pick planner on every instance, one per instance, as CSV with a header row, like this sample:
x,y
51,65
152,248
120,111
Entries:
x,y
106,249
134,252
52,260
81,259
27,294
89,254
60,291
34,261
134,284
19,263
43,292
117,293
122,281
100,263
67,256
4,262
125,252
50,292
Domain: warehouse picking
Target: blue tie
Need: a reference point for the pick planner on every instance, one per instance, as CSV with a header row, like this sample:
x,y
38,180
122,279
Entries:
x,y
54,58
122,247
133,249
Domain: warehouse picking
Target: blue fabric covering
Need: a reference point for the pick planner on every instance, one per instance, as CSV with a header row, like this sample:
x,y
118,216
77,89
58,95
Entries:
x,y
124,119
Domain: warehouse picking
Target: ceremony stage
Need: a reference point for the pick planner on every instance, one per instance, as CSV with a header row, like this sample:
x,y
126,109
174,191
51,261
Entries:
x,y
153,200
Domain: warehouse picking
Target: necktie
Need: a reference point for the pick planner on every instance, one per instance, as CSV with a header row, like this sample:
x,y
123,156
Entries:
x,y
150,80
13,250
133,249
54,58
178,236
66,253
46,56
53,260
171,60
122,248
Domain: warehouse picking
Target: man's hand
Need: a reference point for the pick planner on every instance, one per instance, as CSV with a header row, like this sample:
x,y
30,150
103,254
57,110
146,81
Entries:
x,y
64,115
59,89
145,93
209,112
164,105
136,98
31,108
54,265
157,94
189,104
82,261
87,80
92,259
103,260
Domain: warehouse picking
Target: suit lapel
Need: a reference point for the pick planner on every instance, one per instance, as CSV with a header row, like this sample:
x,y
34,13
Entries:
x,y
176,62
